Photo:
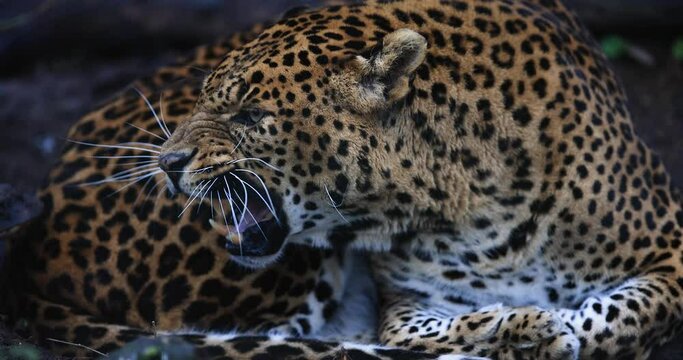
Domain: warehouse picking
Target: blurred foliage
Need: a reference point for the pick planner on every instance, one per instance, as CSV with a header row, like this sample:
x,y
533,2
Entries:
x,y
16,20
677,49
165,347
614,46
20,352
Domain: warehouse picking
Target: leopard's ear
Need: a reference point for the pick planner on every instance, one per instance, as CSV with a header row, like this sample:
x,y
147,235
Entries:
x,y
385,72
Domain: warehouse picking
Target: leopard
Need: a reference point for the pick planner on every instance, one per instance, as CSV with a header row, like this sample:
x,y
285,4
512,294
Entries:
x,y
480,153
116,256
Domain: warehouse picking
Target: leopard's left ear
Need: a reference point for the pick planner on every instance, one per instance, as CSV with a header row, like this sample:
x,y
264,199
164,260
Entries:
x,y
382,77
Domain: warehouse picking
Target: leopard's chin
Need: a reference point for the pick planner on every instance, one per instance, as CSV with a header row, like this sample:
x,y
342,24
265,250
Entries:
x,y
252,262
259,243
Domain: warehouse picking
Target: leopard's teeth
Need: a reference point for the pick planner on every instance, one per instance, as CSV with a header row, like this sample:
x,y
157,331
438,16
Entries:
x,y
228,232
220,228
234,237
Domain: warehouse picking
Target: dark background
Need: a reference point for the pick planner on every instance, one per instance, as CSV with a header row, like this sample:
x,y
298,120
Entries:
x,y
59,58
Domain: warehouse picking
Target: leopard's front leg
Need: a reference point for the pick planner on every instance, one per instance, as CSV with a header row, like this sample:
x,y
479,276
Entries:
x,y
626,323
496,331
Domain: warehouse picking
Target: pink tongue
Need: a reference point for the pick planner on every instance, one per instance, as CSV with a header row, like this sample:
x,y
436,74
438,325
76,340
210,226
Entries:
x,y
258,214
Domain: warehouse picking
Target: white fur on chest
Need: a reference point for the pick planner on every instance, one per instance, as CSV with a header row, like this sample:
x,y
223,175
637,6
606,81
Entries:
x,y
453,284
356,317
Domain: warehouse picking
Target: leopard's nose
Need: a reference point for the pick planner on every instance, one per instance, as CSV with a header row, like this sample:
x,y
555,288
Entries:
x,y
173,163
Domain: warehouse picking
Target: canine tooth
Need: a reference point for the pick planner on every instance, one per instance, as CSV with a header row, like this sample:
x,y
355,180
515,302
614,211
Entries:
x,y
222,229
234,238
227,232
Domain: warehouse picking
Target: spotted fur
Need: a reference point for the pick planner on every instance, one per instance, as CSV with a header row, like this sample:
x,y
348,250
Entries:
x,y
480,149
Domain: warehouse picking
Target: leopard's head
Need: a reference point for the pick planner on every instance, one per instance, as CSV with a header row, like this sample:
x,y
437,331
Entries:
x,y
289,141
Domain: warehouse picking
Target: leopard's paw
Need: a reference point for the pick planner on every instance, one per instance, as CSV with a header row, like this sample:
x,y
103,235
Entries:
x,y
516,333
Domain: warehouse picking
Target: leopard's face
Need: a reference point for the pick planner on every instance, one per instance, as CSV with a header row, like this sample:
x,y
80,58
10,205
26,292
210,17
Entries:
x,y
286,141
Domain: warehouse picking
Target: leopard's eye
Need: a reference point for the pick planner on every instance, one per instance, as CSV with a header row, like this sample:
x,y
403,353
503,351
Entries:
x,y
248,117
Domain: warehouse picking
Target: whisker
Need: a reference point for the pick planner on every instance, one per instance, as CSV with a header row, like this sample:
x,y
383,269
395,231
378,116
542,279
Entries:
x,y
205,71
196,189
135,181
113,146
133,175
213,213
147,131
198,171
128,174
142,190
135,168
270,207
255,159
201,200
149,105
161,113
149,193
232,213
265,188
244,132
220,202
162,190
189,199
140,143
123,177
124,157
335,206
146,162
244,208
250,214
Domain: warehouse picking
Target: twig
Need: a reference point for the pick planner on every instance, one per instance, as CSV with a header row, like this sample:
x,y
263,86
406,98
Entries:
x,y
78,345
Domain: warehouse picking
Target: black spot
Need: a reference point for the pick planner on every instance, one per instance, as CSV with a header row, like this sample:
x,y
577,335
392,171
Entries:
x,y
146,304
256,77
288,59
520,234
123,261
169,259
188,235
482,223
503,55
439,93
343,148
197,310
200,262
266,281
101,254
175,292
117,306
454,274
612,313
522,115
125,234
438,194
607,221
156,230
323,291
302,76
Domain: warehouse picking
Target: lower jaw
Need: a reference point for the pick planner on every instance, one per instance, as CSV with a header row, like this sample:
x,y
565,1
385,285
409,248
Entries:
x,y
259,244
255,262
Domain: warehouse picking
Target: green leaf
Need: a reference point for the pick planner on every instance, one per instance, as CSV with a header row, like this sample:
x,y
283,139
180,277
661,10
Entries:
x,y
24,352
614,46
677,49
151,353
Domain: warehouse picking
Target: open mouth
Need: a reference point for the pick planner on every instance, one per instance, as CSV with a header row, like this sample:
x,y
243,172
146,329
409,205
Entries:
x,y
249,217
